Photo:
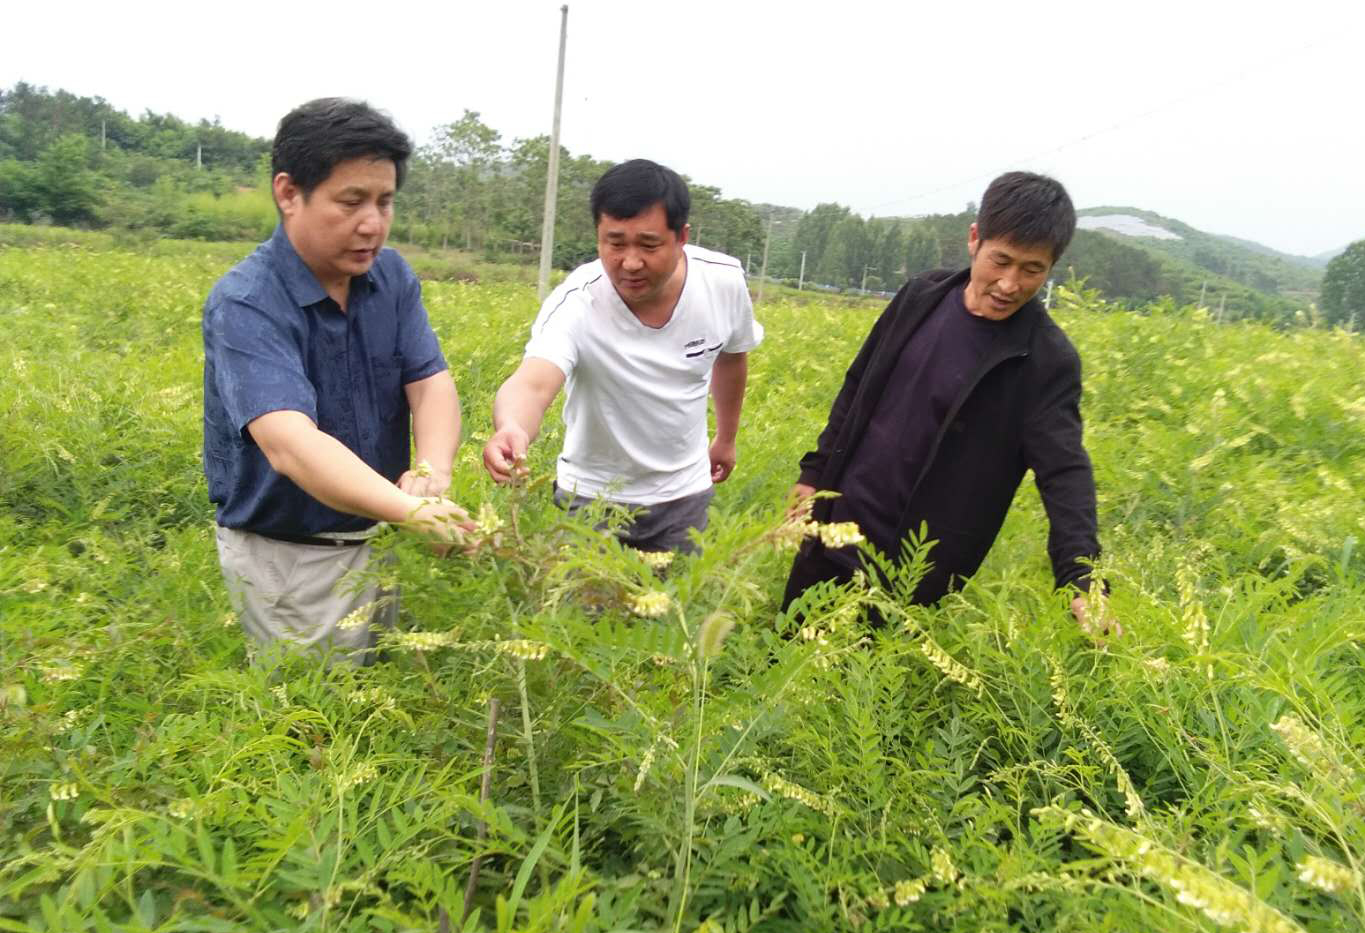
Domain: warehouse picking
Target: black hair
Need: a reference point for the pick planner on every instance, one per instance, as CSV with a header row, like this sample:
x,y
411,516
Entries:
x,y
316,137
1028,210
627,189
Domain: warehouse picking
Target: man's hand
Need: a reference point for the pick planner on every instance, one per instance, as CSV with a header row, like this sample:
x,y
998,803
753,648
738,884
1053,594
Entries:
x,y
423,481
1096,623
723,456
443,523
504,456
800,500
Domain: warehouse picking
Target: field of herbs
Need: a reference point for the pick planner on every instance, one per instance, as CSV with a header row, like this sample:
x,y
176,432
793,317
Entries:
x,y
564,737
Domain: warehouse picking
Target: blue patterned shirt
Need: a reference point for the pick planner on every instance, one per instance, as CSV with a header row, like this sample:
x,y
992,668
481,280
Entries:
x,y
275,341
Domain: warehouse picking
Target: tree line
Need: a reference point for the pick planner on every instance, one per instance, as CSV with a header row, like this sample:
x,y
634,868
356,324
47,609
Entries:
x,y
79,161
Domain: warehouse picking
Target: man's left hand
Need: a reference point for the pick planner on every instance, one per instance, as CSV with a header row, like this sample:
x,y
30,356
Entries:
x,y
722,460
1096,621
424,483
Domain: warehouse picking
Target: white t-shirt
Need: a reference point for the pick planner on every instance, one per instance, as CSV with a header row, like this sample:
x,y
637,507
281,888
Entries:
x,y
635,396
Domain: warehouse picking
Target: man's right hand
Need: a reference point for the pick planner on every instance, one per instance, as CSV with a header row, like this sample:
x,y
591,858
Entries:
x,y
443,523
504,456
800,500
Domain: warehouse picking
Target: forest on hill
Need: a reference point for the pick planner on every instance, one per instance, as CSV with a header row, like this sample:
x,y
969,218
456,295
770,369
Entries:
x,y
79,161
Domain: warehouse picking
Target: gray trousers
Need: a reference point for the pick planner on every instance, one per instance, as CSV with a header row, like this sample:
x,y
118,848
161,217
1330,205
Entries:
x,y
659,527
304,596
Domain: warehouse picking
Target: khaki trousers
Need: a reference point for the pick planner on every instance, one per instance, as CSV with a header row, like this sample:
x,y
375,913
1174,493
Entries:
x,y
306,596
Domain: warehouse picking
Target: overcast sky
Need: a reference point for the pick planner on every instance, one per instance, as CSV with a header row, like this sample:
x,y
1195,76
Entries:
x,y
1232,117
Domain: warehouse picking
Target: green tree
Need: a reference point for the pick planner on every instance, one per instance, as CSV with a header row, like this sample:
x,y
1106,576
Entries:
x,y
813,234
921,250
1343,288
468,151
66,187
19,197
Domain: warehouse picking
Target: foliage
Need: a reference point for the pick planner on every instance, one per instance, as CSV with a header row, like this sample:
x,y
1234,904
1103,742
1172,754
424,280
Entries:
x,y
1343,288
675,754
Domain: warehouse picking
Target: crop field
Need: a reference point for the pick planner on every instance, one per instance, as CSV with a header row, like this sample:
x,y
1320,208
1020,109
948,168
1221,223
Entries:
x,y
668,752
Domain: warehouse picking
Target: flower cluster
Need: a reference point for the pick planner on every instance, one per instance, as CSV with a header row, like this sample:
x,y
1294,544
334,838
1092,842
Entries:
x,y
61,672
1132,800
784,788
372,696
1222,901
949,667
649,605
840,534
521,648
488,522
357,617
647,761
792,532
182,809
69,790
942,863
69,720
907,892
1192,611
361,774
423,641
1327,875
657,560
1310,750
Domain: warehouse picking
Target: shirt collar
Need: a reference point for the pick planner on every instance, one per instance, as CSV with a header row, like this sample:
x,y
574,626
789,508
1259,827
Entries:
x,y
303,286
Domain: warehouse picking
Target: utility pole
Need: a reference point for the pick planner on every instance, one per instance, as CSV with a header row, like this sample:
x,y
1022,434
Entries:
x,y
801,279
103,136
763,273
863,288
199,156
547,229
1202,285
1047,299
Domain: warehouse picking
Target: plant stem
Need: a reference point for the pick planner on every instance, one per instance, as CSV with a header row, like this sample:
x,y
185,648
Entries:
x,y
533,771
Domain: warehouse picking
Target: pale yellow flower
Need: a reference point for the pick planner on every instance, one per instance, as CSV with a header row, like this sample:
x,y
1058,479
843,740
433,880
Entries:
x,y
907,892
840,534
650,605
424,641
942,863
1327,875
361,774
488,521
357,617
658,560
783,788
62,672
69,790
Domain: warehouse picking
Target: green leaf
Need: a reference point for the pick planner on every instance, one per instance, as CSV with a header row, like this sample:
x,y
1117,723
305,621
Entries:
x,y
735,780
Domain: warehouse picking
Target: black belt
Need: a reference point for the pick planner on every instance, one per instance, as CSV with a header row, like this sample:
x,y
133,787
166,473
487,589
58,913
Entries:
x,y
306,539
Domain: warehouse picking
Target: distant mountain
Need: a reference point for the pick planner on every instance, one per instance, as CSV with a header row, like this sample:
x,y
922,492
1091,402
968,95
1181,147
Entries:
x,y
1244,262
1322,259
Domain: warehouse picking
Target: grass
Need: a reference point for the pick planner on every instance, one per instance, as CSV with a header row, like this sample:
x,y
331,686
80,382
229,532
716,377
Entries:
x,y
976,765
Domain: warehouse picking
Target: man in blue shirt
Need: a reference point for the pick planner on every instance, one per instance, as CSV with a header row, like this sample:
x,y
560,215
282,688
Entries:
x,y
317,353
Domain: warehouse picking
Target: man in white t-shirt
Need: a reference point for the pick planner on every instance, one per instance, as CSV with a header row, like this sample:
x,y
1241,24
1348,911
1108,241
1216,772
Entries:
x,y
637,338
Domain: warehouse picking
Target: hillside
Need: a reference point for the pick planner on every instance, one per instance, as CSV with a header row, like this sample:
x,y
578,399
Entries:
x,y
1242,261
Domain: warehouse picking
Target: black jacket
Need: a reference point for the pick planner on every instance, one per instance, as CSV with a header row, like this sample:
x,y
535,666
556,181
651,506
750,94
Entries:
x,y
1020,411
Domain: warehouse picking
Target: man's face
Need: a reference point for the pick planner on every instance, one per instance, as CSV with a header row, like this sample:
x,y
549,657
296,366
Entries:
x,y
640,253
339,229
1004,275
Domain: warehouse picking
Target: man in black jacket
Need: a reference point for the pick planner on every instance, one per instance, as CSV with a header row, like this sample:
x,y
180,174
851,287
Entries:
x,y
963,385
